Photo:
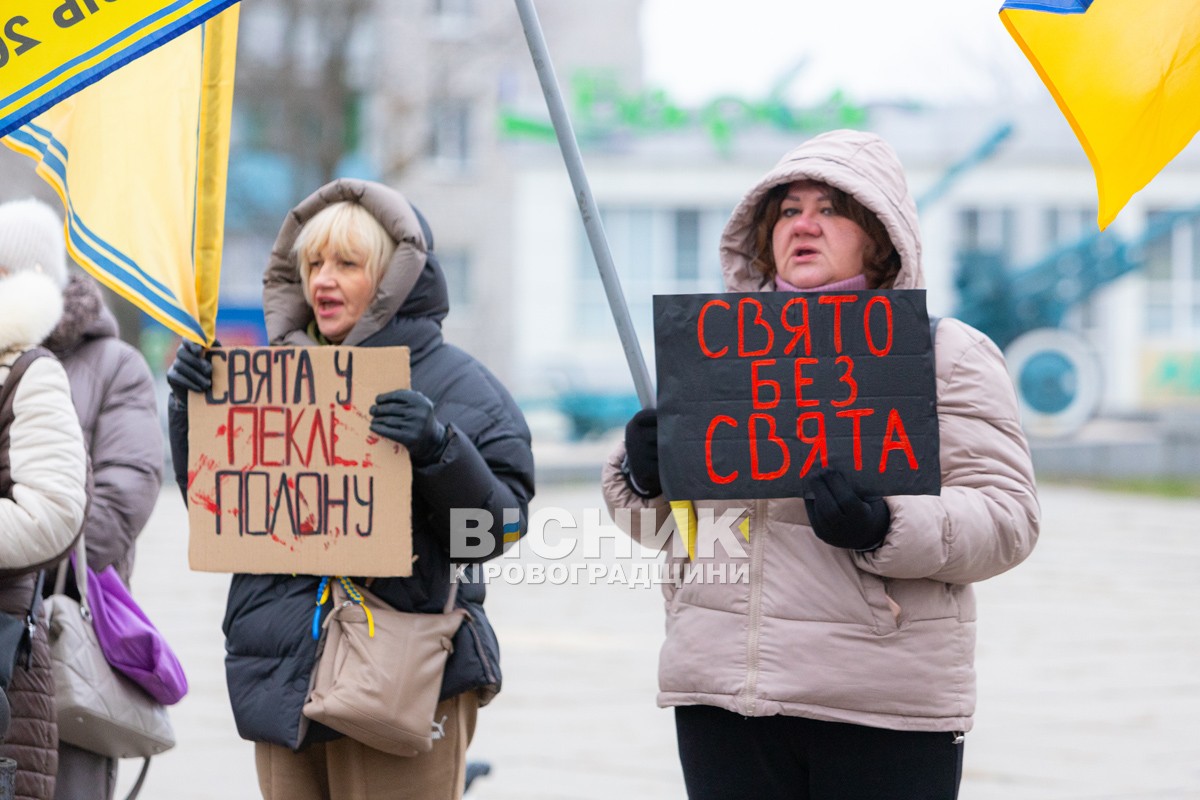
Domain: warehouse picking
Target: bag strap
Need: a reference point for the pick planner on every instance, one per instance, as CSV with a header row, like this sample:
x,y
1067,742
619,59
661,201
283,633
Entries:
x,y
324,590
7,415
60,580
8,392
141,778
453,595
14,375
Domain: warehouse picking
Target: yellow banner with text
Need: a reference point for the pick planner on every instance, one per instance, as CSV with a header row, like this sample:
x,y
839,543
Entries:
x,y
50,49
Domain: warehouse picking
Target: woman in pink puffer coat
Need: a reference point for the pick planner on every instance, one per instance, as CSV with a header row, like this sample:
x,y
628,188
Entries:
x,y
843,666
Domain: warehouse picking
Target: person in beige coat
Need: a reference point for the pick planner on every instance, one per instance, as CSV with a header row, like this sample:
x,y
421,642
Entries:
x,y
842,667
43,476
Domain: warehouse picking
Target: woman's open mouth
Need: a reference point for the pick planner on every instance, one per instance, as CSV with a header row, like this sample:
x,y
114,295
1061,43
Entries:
x,y
326,307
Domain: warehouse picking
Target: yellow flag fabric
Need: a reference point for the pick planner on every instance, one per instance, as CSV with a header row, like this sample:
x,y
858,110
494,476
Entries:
x,y
139,160
684,513
50,49
1125,73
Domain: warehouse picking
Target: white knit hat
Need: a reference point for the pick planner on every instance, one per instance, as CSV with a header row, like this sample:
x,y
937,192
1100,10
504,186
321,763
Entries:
x,y
31,238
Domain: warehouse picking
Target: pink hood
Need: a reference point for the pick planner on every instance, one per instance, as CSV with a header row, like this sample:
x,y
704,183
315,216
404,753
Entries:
x,y
860,164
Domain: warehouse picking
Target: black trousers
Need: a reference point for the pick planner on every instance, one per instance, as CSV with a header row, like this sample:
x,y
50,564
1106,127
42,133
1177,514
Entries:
x,y
726,756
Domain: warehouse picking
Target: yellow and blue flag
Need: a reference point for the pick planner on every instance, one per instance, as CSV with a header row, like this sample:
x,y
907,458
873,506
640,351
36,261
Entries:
x,y
50,50
1125,73
139,160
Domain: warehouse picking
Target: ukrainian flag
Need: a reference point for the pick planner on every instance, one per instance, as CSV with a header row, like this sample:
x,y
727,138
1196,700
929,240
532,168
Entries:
x,y
51,50
139,161
1125,73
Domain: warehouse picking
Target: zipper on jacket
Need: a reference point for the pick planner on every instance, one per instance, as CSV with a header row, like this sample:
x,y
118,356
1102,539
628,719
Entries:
x,y
758,527
894,608
488,668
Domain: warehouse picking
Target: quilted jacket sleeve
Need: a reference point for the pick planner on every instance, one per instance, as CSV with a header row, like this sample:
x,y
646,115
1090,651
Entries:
x,y
632,513
493,474
127,455
986,519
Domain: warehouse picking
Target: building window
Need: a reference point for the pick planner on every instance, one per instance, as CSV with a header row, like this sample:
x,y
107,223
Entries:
x,y
1064,227
457,9
1172,273
1067,225
687,244
456,266
987,230
451,145
454,20
655,251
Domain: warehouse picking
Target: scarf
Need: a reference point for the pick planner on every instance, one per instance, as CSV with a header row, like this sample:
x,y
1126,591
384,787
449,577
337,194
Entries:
x,y
855,284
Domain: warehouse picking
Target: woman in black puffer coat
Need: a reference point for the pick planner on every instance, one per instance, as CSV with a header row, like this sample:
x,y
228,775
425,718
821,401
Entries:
x,y
354,265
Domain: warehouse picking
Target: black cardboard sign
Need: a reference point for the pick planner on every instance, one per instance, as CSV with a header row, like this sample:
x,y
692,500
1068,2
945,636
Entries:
x,y
757,392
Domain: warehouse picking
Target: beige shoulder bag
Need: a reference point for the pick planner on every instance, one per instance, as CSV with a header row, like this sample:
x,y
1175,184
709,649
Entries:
x,y
379,671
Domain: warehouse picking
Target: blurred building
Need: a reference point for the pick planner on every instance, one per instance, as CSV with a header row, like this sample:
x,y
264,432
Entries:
x,y
439,98
1007,197
417,94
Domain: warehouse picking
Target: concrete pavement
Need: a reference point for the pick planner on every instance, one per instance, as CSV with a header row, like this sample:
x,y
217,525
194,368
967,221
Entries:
x,y
1088,660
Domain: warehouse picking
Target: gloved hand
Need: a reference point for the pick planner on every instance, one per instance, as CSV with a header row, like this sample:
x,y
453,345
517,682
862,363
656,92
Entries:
x,y
406,416
843,519
191,371
641,453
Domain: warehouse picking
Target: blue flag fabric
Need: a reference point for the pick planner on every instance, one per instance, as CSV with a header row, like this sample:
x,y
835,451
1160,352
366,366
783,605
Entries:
x,y
1053,6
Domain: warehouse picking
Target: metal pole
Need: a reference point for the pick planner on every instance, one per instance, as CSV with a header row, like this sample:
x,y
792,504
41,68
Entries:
x,y
587,205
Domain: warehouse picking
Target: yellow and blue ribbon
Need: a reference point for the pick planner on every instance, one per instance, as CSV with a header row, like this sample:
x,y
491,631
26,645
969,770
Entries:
x,y
355,597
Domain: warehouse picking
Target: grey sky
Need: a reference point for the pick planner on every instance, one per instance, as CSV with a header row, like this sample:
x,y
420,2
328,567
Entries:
x,y
933,50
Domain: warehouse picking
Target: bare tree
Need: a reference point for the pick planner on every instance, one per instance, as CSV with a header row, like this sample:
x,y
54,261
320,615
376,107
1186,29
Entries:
x,y
294,94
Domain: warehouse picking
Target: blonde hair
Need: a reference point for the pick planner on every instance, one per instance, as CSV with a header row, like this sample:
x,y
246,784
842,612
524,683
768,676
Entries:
x,y
349,230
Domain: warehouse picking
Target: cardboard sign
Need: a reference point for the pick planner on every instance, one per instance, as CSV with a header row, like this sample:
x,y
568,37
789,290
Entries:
x,y
284,474
757,392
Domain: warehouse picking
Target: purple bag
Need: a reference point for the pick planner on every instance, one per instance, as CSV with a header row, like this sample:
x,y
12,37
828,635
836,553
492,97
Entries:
x,y
130,642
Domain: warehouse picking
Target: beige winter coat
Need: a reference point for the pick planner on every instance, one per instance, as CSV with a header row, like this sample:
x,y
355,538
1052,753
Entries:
x,y
884,638
41,517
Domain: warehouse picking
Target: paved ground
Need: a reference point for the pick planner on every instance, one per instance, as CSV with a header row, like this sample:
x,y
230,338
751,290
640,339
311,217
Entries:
x,y
1089,669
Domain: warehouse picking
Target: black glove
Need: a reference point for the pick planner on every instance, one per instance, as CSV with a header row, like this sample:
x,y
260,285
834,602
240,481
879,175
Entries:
x,y
641,453
407,417
843,519
191,371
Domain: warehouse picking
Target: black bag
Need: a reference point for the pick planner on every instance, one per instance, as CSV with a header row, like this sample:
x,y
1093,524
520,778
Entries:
x,y
16,645
13,637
